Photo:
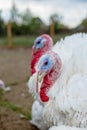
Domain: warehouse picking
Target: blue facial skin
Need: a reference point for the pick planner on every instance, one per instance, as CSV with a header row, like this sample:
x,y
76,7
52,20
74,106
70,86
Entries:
x,y
39,43
46,63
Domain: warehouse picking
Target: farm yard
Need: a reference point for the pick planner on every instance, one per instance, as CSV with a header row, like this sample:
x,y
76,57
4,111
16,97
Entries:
x,y
21,22
15,105
14,71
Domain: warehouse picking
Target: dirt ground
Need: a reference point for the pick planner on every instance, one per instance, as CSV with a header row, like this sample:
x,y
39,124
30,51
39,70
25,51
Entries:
x,y
14,71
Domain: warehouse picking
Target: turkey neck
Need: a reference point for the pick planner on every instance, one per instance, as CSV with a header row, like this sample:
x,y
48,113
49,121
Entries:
x,y
48,82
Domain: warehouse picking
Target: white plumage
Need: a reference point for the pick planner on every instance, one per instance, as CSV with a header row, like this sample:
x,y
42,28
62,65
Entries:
x,y
66,128
69,94
67,103
37,116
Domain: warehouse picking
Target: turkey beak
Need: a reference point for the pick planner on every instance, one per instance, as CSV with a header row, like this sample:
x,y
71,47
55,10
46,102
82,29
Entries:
x,y
40,76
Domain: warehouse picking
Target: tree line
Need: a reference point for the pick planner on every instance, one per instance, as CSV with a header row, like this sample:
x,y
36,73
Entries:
x,y
25,23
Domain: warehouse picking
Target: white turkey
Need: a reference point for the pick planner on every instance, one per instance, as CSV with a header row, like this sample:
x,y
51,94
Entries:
x,y
42,44
61,81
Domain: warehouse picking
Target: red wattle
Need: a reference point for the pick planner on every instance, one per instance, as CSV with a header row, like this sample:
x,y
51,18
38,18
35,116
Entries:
x,y
43,96
45,87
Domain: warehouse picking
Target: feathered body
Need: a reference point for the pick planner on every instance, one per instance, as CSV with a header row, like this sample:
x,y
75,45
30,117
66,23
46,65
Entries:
x,y
37,116
67,96
63,127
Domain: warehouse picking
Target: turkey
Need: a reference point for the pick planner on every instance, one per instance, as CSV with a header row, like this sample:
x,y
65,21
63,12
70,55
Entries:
x,y
62,82
42,44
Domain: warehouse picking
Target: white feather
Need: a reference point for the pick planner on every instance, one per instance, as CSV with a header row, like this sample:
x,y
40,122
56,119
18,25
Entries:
x,y
67,103
69,94
66,128
37,116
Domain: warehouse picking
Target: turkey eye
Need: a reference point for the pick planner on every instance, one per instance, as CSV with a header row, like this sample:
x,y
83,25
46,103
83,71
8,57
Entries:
x,y
38,42
46,63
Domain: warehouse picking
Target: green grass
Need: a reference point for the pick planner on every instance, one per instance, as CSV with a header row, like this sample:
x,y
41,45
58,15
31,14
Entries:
x,y
27,41
23,41
3,41
15,108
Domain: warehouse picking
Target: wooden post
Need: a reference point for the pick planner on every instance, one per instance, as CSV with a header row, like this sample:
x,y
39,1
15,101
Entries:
x,y
9,33
52,27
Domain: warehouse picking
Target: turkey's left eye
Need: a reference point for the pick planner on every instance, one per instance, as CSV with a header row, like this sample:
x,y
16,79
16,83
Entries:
x,y
39,42
46,63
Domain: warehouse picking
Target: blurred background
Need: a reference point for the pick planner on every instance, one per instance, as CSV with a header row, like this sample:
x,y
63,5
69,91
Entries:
x,y
21,21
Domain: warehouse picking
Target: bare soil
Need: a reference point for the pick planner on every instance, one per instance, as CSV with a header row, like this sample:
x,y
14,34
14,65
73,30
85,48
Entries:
x,y
14,71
